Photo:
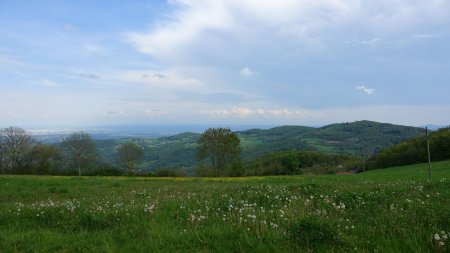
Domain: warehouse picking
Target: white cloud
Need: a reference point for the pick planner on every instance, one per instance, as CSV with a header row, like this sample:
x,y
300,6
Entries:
x,y
282,22
426,35
48,83
119,113
152,113
6,60
396,114
371,42
247,72
246,112
95,49
172,79
365,89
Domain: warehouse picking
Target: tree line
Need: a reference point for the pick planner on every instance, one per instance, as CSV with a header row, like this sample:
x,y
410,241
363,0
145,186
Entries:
x,y
76,154
218,153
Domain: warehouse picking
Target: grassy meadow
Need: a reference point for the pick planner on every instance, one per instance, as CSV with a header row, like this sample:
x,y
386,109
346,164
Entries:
x,y
390,210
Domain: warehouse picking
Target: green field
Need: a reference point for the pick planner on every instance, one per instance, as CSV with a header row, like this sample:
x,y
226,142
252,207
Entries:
x,y
390,210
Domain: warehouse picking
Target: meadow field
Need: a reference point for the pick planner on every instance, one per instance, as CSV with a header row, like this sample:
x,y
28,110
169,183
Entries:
x,y
390,210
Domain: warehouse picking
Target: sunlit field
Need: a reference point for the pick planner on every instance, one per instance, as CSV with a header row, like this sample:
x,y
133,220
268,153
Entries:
x,y
391,210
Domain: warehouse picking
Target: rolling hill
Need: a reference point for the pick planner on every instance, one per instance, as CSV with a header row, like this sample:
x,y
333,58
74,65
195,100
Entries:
x,y
356,138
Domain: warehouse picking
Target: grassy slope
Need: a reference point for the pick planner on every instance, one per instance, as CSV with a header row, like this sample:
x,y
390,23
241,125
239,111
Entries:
x,y
391,210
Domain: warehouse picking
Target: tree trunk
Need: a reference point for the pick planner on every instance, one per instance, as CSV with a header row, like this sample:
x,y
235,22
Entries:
x,y
79,165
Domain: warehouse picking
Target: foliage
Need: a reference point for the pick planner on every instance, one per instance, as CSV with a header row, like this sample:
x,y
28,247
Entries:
x,y
299,162
81,148
220,147
414,151
45,159
392,210
129,155
170,172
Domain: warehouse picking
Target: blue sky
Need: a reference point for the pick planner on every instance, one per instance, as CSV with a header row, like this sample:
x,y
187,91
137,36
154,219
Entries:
x,y
72,63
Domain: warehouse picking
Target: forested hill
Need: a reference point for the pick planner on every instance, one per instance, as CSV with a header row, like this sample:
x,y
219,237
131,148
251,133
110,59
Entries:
x,y
414,151
345,138
353,138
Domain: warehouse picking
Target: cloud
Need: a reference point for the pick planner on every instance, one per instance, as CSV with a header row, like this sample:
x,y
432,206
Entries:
x,y
285,23
48,83
365,89
426,35
95,49
7,60
152,113
245,112
172,80
119,113
155,76
371,42
89,76
247,72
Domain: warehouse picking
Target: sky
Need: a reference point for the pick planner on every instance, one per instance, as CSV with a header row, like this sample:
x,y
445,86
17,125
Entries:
x,y
302,62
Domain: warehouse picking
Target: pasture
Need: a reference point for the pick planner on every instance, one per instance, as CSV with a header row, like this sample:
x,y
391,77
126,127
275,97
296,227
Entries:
x,y
390,210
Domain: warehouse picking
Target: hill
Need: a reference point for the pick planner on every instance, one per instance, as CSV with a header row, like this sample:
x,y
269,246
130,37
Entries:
x,y
356,138
414,151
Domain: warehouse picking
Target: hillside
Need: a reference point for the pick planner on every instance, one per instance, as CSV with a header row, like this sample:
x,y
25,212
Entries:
x,y
345,138
414,151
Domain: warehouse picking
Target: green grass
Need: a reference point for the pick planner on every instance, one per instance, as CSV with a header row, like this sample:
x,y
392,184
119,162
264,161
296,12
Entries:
x,y
390,210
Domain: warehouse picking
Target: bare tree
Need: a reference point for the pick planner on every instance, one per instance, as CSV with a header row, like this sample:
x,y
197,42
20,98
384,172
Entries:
x,y
15,148
81,148
129,155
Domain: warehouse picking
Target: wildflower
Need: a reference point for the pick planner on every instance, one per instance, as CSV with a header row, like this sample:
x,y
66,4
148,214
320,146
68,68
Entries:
x,y
437,237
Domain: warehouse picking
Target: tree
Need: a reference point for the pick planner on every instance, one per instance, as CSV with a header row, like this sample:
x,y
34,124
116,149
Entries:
x,y
129,155
45,157
81,148
16,145
221,147
2,154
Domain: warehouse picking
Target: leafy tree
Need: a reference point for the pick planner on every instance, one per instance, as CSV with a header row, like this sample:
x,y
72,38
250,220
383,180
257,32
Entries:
x,y
81,148
221,147
129,155
15,148
45,157
298,162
